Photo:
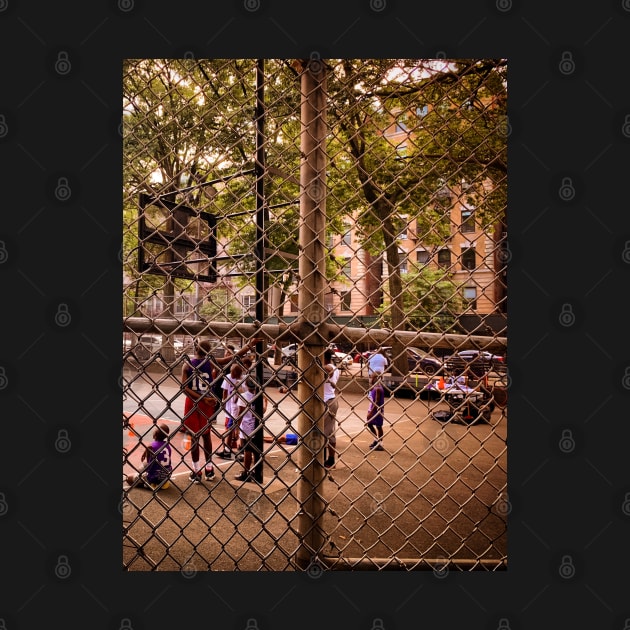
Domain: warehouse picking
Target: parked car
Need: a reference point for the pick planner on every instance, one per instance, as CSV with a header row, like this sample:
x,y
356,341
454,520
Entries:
x,y
478,362
339,358
178,346
146,345
290,350
289,353
424,361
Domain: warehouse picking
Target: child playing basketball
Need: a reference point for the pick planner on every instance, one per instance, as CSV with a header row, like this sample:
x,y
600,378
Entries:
x,y
230,384
375,418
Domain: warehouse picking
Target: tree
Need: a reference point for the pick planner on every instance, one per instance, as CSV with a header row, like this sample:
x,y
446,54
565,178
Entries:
x,y
191,123
219,306
430,300
454,112
190,131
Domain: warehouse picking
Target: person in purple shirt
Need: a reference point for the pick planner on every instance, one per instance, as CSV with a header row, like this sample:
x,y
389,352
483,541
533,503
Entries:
x,y
375,412
157,459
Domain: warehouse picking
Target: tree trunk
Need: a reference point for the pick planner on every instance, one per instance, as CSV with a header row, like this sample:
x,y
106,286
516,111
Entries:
x,y
400,365
374,270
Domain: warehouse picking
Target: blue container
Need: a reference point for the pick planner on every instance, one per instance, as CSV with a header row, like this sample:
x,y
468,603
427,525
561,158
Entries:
x,y
291,438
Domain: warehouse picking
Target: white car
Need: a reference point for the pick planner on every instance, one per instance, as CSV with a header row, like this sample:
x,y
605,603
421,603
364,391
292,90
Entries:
x,y
339,358
342,360
147,345
289,351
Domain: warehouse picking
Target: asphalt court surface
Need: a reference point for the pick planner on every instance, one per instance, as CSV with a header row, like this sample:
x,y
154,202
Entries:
x,y
147,404
156,397
435,490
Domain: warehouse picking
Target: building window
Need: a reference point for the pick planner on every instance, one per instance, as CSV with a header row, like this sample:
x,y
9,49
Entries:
x,y
422,256
443,199
346,270
182,307
422,111
403,264
154,307
346,239
329,302
402,235
345,301
470,297
444,258
398,128
249,304
468,221
468,258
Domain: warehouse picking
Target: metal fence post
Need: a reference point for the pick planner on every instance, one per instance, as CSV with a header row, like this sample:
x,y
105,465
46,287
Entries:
x,y
261,263
312,272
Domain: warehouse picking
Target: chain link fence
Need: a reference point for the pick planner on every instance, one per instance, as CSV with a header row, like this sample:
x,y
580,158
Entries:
x,y
285,215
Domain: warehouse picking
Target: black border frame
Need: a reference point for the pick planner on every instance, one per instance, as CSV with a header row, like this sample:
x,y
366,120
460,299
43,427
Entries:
x,y
569,244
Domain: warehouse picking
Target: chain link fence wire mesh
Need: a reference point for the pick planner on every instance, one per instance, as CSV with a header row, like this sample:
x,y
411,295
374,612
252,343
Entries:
x,y
290,215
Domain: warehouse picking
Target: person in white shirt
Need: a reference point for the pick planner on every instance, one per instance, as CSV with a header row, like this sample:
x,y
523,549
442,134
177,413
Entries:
x,y
330,417
231,383
377,363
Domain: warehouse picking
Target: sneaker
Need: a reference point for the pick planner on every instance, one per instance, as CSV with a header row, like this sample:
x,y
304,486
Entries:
x,y
240,457
209,474
243,477
195,477
375,443
378,447
160,485
225,455
330,462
